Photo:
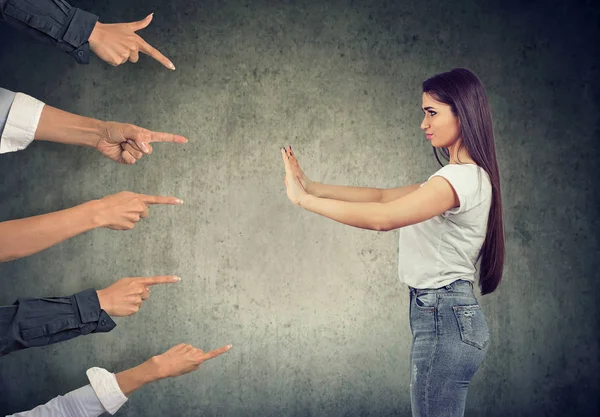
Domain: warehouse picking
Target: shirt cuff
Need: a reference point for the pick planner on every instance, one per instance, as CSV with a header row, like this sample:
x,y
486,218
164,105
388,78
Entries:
x,y
77,34
107,389
21,123
80,28
90,311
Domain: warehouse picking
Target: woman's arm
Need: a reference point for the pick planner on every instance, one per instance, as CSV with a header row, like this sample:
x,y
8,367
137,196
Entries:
x,y
434,198
359,194
345,193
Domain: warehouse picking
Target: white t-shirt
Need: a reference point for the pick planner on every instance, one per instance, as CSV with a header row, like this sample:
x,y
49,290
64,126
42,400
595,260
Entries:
x,y
443,249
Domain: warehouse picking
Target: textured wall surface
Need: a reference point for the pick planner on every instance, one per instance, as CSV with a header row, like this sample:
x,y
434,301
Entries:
x,y
314,309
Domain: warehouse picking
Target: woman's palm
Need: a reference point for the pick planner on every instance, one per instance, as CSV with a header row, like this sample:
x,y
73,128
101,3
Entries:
x,y
297,170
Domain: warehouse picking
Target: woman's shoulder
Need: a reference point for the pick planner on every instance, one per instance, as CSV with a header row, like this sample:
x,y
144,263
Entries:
x,y
470,177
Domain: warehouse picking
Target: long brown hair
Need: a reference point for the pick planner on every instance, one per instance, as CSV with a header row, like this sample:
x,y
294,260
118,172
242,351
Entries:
x,y
464,93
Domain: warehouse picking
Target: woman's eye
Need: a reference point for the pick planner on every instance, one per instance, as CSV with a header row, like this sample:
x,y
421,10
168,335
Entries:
x,y
432,113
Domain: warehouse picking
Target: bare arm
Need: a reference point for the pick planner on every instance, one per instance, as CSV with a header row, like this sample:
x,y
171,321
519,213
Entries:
x,y
23,237
345,193
63,127
121,142
359,194
120,211
178,360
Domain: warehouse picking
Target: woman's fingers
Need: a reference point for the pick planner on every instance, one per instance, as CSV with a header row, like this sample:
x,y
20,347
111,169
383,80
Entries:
x,y
286,161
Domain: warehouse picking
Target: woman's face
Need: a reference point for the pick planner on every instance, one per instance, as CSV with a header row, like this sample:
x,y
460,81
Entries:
x,y
441,126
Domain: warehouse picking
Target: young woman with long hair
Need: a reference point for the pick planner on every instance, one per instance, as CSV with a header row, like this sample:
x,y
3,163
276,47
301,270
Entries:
x,y
450,231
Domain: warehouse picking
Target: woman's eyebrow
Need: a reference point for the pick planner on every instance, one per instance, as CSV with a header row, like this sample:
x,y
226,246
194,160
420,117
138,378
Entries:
x,y
428,108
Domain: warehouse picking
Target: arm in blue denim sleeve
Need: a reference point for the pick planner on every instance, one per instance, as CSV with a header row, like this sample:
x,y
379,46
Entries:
x,y
34,322
52,21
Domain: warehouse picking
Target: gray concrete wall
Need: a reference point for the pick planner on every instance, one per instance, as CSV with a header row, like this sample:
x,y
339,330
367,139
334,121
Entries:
x,y
314,309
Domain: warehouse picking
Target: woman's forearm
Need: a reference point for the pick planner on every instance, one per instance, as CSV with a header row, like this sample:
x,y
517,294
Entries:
x,y
56,125
23,237
359,194
365,215
344,193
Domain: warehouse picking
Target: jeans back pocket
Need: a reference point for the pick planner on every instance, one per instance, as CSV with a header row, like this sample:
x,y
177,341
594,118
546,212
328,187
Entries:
x,y
473,326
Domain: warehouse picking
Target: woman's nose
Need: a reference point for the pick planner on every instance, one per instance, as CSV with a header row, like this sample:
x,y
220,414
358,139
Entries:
x,y
424,124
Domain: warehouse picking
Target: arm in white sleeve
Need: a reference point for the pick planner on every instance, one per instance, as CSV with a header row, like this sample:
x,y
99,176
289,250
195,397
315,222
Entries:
x,y
21,117
102,395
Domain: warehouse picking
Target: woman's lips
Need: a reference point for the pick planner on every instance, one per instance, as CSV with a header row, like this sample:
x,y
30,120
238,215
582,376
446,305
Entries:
x,y
428,136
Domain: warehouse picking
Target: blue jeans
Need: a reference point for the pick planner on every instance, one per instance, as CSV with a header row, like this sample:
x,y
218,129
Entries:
x,y
450,340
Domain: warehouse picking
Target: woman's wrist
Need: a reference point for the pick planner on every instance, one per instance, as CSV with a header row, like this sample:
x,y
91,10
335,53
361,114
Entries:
x,y
311,186
304,201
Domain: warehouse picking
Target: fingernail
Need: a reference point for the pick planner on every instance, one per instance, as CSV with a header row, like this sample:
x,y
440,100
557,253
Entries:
x,y
144,147
152,14
176,279
171,66
178,201
229,346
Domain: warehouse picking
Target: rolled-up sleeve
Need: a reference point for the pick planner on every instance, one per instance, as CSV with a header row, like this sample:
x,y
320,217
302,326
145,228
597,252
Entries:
x,y
103,394
32,322
53,21
22,119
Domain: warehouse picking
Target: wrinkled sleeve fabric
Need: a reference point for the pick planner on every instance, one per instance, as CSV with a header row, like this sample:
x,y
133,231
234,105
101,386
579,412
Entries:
x,y
23,115
101,395
52,21
33,322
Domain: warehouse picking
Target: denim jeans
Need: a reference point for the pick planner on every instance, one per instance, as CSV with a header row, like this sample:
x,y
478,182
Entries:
x,y
450,340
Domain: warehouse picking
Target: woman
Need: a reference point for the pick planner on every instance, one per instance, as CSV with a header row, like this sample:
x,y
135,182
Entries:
x,y
447,225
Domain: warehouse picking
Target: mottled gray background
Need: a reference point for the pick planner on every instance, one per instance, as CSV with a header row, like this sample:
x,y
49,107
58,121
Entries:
x,y
313,308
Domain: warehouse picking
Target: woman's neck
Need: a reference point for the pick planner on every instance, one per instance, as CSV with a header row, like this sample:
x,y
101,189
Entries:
x,y
458,154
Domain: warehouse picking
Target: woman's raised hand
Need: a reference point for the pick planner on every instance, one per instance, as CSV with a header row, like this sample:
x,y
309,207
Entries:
x,y
306,183
295,190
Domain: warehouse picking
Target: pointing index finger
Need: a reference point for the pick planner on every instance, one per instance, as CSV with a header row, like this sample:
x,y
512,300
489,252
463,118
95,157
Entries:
x,y
166,137
157,199
148,49
160,279
214,353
